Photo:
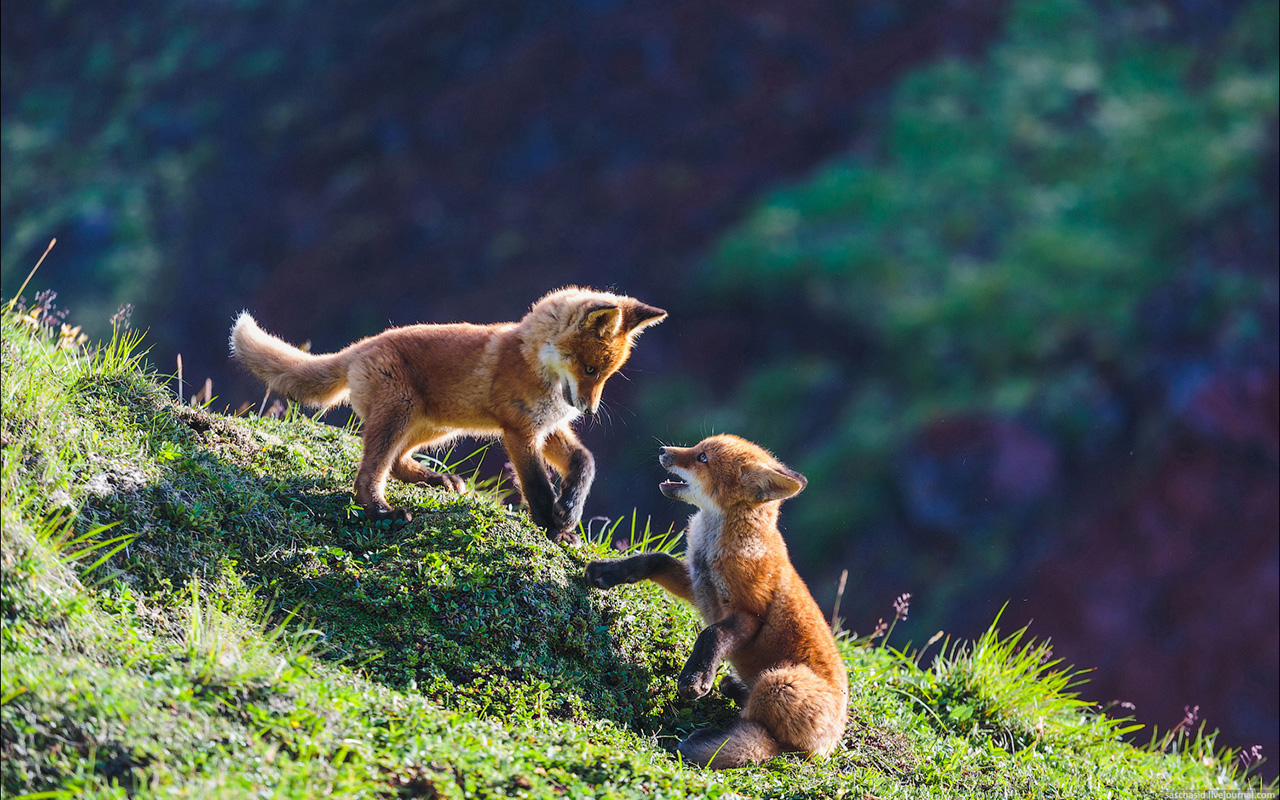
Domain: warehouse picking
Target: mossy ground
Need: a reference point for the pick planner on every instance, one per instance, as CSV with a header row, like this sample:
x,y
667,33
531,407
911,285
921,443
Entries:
x,y
252,635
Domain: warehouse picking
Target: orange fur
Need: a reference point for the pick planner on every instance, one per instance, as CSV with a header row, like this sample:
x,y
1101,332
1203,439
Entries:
x,y
760,615
422,385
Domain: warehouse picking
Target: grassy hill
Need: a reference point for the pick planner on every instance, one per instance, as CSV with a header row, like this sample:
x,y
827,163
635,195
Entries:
x,y
192,607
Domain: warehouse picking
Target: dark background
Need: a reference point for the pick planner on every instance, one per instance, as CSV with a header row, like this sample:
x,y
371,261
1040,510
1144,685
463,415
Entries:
x,y
998,277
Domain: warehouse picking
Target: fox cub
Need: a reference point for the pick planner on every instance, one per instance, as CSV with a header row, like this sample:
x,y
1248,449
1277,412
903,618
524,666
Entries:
x,y
789,677
422,385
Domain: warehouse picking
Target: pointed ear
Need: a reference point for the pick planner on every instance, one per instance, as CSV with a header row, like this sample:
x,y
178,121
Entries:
x,y
604,320
777,483
640,316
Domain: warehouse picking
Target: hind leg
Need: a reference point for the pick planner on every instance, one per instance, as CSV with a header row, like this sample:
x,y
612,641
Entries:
x,y
801,710
408,470
384,434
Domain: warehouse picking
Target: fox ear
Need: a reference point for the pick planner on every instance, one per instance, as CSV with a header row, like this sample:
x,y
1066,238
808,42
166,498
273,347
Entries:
x,y
605,321
640,316
777,483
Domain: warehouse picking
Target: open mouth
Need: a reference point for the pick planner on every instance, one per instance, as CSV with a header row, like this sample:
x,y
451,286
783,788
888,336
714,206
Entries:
x,y
672,488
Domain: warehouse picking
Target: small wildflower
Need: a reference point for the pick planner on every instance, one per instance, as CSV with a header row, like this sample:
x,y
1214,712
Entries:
x,y
50,315
123,318
881,627
901,606
31,319
70,338
1191,714
1251,756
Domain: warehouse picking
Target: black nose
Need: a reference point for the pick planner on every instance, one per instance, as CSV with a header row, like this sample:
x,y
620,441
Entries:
x,y
664,458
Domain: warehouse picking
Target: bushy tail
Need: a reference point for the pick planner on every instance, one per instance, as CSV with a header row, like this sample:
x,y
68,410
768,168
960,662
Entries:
x,y
790,710
745,742
799,708
315,380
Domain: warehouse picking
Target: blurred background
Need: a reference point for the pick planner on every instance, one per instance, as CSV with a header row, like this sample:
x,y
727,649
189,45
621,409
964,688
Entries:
x,y
999,278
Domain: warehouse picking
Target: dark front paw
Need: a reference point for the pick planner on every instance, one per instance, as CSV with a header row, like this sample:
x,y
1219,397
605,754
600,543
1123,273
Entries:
x,y
606,574
564,536
695,683
565,517
380,513
732,687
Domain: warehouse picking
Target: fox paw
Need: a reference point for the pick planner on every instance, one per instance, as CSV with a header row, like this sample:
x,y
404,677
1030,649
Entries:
x,y
394,514
733,688
563,519
563,527
605,574
564,536
693,685
451,483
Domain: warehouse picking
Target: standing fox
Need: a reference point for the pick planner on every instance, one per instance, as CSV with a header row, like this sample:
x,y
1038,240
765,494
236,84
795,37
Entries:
x,y
759,613
425,384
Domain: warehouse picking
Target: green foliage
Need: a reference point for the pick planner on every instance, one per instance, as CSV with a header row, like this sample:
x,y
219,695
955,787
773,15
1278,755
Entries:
x,y
1011,691
993,251
458,656
66,147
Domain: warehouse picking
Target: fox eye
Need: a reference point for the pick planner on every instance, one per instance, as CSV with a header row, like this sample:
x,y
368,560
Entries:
x,y
702,457
590,370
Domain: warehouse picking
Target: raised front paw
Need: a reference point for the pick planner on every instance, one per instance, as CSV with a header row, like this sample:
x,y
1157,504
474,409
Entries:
x,y
606,574
695,683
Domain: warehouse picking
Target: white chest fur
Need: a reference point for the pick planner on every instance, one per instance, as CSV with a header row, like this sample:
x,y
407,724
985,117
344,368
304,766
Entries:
x,y
706,540
710,588
704,535
553,410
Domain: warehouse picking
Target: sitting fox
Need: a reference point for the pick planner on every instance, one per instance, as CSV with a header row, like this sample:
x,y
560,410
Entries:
x,y
422,385
760,615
